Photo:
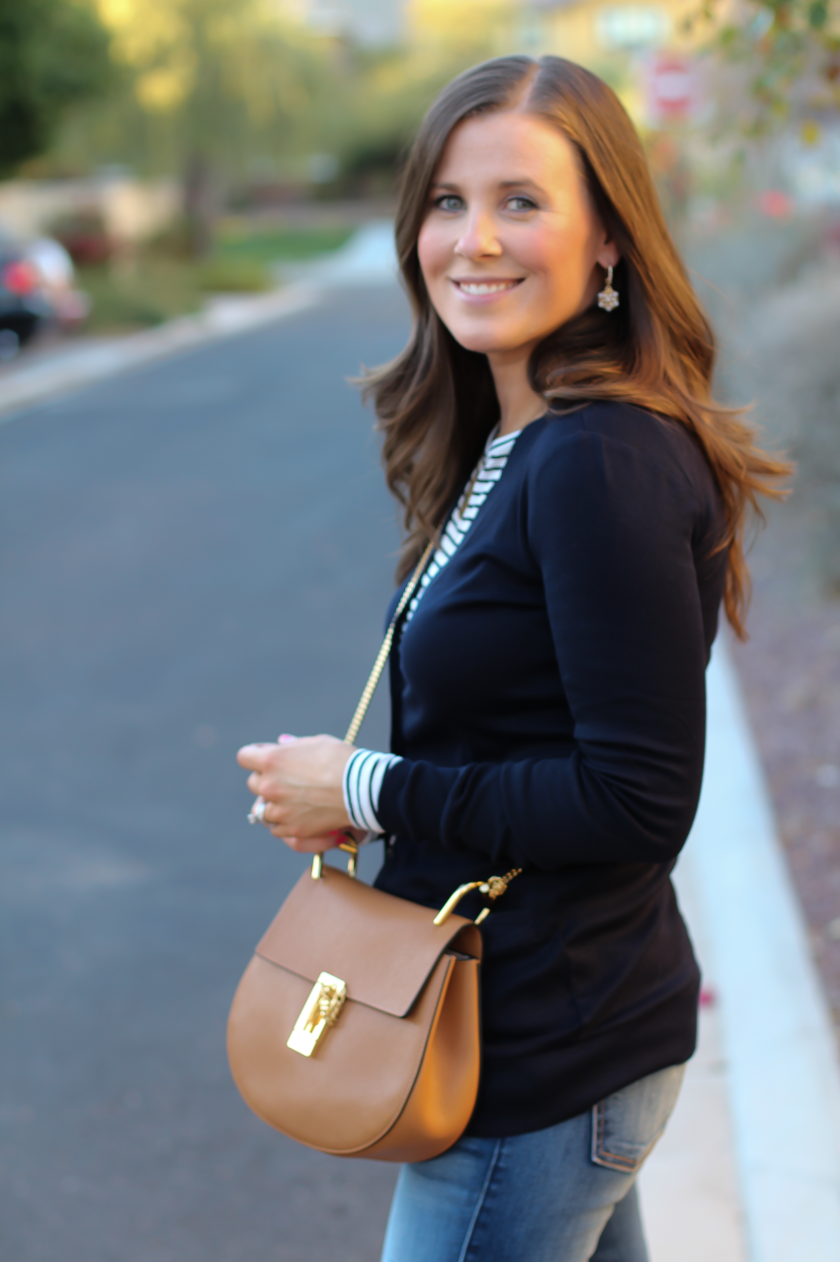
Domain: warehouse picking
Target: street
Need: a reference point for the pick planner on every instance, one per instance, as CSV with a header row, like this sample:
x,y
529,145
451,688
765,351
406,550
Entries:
x,y
195,554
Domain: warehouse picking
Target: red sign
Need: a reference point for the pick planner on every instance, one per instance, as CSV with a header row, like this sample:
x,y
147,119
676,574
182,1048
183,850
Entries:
x,y
673,89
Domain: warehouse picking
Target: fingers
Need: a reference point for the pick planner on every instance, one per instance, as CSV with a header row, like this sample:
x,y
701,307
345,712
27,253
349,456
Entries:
x,y
310,827
255,757
306,845
300,780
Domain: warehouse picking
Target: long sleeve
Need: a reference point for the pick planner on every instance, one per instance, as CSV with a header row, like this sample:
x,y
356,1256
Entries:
x,y
611,530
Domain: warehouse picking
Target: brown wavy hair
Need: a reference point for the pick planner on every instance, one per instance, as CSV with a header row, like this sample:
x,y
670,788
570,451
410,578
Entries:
x,y
436,402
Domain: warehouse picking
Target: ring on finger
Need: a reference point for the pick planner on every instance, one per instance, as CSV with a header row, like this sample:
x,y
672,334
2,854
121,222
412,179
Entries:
x,y
256,815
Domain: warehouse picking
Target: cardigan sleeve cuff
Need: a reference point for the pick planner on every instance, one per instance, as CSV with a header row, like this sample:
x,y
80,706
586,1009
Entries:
x,y
362,785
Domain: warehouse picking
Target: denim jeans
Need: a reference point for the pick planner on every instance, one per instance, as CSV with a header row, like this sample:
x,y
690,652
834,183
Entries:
x,y
563,1194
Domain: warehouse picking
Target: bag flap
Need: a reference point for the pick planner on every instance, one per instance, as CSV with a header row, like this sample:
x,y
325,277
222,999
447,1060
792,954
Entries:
x,y
382,947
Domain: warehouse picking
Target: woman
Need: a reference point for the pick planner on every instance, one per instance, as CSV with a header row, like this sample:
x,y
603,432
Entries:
x,y
548,705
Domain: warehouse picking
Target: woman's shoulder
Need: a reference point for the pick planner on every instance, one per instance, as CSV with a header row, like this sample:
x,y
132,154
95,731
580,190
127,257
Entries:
x,y
580,444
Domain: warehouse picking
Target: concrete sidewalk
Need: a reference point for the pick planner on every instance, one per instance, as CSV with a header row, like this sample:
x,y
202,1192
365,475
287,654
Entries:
x,y
690,1192
749,1168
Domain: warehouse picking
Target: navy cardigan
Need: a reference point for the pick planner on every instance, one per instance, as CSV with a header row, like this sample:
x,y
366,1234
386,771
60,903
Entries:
x,y
548,701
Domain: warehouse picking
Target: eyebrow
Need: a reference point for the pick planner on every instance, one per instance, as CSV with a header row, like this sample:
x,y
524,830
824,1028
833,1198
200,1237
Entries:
x,y
521,183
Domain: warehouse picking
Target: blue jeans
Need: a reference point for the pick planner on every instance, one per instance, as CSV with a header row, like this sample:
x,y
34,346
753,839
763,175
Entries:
x,y
563,1194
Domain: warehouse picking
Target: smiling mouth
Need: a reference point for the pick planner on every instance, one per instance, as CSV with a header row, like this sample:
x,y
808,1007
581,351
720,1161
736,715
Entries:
x,y
478,288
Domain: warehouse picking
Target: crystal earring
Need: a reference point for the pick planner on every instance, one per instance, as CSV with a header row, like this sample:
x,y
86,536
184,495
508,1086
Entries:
x,y
608,297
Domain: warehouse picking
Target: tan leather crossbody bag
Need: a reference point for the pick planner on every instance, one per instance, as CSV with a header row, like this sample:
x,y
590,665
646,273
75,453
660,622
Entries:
x,y
355,1027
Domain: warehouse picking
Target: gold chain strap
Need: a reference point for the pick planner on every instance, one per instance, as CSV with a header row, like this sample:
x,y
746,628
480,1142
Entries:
x,y
349,844
494,886
382,656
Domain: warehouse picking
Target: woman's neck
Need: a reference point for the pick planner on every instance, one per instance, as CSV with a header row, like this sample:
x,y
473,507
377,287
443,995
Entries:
x,y
518,403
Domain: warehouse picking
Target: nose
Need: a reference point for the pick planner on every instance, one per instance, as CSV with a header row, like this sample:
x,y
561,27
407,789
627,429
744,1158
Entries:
x,y
478,240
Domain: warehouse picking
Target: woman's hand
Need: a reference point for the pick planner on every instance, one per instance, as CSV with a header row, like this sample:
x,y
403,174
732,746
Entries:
x,y
301,783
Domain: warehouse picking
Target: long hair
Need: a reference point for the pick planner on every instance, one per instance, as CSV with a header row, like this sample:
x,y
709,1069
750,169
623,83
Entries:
x,y
436,403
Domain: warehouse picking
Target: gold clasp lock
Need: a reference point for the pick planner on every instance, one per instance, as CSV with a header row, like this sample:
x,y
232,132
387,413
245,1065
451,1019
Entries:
x,y
319,1014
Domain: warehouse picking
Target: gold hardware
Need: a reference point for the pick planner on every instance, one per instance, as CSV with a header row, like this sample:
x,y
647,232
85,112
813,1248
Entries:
x,y
319,1014
482,916
352,848
453,900
497,885
492,888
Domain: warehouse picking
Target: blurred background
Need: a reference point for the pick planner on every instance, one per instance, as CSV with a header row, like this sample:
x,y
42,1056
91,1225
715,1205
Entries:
x,y
197,553
175,148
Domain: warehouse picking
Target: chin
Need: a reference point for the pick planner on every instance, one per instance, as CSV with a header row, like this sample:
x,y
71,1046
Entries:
x,y
483,341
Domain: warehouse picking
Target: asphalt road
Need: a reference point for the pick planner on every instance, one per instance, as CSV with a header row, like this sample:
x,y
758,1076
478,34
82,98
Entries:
x,y
194,555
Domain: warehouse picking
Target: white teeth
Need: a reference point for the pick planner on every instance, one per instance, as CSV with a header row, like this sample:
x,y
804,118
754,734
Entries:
x,y
493,288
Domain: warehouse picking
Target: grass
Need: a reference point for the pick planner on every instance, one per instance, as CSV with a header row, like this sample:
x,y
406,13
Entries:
x,y
160,285
280,245
153,291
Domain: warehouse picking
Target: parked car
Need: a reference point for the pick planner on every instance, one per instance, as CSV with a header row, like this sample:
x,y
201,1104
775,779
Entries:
x,y
37,288
55,266
24,305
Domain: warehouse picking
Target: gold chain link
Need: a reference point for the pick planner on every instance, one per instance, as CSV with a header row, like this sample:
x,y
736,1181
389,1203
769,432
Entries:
x,y
382,655
495,886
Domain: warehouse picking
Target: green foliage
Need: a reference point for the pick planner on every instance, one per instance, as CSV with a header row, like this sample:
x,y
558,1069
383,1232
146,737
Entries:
x,y
211,82
254,98
53,55
790,52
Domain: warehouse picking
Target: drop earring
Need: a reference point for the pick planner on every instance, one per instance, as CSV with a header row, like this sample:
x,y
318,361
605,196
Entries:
x,y
608,297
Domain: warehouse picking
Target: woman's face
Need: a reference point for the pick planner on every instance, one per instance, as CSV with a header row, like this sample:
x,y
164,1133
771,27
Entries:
x,y
510,244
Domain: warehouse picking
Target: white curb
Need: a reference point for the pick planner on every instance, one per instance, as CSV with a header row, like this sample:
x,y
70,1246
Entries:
x,y
783,1069
367,259
79,366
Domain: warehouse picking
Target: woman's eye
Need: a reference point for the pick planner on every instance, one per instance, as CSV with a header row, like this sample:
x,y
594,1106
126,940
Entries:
x,y
521,203
449,201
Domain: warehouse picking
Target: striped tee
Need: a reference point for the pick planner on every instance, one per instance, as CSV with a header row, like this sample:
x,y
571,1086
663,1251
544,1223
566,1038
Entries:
x,y
365,771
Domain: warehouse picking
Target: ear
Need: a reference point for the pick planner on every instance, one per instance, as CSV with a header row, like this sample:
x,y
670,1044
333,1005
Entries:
x,y
608,255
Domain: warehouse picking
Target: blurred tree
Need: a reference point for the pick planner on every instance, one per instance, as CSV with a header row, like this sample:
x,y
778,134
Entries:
x,y
53,55
239,96
216,71
790,50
